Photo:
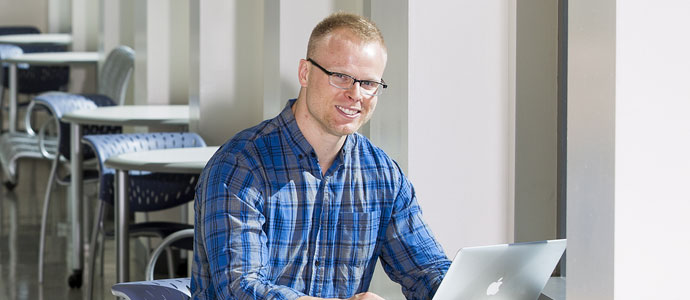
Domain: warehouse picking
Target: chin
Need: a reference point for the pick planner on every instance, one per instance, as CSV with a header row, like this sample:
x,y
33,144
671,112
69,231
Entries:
x,y
345,130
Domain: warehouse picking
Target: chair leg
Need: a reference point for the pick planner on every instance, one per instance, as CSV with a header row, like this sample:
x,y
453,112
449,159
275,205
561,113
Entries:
x,y
95,245
44,217
2,105
102,240
149,247
171,265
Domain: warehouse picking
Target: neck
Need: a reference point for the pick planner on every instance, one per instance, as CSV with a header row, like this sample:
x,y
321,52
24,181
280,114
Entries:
x,y
325,144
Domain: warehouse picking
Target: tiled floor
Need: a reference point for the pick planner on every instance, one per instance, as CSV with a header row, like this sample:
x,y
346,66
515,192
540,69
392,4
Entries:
x,y
19,234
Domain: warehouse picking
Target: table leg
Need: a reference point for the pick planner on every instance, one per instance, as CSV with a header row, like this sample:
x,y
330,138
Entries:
x,y
12,115
76,200
122,225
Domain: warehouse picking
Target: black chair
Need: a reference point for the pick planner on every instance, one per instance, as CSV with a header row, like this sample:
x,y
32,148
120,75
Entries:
x,y
147,191
113,79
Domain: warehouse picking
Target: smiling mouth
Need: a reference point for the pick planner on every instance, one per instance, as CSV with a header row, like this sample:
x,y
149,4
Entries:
x,y
348,111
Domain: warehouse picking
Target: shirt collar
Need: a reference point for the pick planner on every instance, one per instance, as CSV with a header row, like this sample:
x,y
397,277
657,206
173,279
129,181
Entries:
x,y
301,145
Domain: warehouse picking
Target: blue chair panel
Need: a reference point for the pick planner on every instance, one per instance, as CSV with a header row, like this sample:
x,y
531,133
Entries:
x,y
172,289
147,191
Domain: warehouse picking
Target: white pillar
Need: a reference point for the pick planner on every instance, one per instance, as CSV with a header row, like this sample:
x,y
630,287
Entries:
x,y
536,120
226,76
85,37
388,127
85,25
161,43
151,43
110,28
628,165
287,28
59,16
458,73
117,28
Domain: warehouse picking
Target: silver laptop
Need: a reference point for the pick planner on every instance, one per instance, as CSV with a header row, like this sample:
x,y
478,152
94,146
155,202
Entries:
x,y
508,271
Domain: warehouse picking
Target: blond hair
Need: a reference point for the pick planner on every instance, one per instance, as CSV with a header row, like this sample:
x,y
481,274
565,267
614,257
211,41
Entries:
x,y
363,28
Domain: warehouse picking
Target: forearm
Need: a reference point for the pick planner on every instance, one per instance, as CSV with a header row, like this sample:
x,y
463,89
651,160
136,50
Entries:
x,y
420,270
360,296
252,288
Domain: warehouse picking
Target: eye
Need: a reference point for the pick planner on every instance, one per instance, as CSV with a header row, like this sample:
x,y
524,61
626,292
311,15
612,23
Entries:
x,y
369,84
340,76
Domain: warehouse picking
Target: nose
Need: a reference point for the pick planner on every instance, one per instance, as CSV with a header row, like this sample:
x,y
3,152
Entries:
x,y
354,92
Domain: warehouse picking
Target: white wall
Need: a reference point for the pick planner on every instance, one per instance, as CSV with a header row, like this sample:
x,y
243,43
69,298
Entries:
x,y
28,12
628,167
460,123
652,162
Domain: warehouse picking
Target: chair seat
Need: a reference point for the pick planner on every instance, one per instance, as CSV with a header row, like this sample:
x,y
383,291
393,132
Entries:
x,y
173,289
15,146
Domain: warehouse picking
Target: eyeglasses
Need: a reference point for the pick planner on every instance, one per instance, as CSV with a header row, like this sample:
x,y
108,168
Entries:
x,y
345,82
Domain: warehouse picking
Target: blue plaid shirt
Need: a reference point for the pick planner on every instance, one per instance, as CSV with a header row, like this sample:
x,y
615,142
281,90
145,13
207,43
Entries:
x,y
269,225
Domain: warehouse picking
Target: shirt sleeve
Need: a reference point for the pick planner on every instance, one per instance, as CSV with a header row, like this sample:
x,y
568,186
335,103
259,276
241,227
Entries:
x,y
410,254
230,249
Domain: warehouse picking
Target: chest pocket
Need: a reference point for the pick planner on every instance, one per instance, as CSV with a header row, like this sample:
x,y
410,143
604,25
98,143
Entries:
x,y
357,234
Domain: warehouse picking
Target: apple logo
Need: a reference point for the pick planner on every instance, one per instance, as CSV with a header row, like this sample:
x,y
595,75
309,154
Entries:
x,y
493,287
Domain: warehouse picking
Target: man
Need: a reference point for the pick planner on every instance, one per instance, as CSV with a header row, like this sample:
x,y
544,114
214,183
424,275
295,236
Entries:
x,y
302,206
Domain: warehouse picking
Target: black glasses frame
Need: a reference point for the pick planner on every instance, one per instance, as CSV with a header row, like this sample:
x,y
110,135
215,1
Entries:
x,y
354,80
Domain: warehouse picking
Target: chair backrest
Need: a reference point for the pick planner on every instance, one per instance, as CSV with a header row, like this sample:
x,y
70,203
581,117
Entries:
x,y
5,30
59,103
148,191
177,288
114,76
7,51
30,48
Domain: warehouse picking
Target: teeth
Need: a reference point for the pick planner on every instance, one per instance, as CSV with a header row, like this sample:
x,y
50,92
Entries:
x,y
347,110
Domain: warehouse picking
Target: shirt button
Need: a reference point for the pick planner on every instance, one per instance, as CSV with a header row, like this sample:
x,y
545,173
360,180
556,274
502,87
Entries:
x,y
317,263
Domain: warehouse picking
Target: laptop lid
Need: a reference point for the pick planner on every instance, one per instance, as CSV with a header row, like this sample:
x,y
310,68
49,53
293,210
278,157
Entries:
x,y
507,271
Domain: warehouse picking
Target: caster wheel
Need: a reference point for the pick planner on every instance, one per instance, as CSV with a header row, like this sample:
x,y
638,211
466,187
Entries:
x,y
9,185
74,280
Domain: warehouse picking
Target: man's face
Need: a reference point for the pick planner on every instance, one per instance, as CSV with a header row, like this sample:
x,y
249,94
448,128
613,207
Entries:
x,y
336,111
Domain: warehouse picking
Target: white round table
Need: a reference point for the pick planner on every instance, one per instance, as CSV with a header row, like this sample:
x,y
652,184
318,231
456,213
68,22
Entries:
x,y
37,38
176,160
42,58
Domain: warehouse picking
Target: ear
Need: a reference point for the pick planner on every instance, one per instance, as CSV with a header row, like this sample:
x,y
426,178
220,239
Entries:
x,y
303,72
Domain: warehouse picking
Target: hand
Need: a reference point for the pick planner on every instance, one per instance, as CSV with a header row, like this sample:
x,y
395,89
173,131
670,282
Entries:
x,y
360,296
366,296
